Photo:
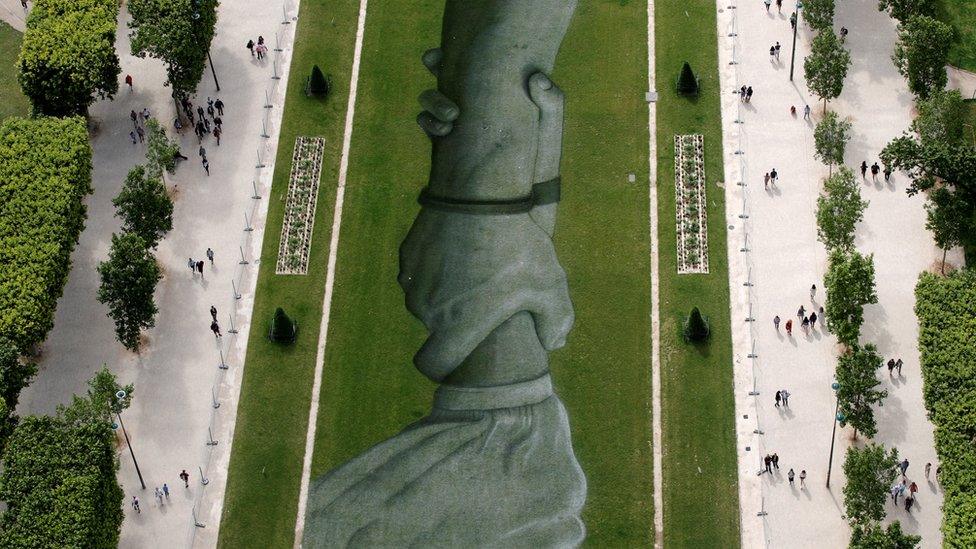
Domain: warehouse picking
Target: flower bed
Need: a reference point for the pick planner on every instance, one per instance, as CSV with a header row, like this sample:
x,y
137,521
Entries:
x,y
689,191
303,191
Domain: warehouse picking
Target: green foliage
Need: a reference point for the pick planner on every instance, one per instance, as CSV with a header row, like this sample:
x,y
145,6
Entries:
x,y
45,172
857,393
59,482
903,10
921,53
696,326
68,55
144,206
830,139
317,84
819,14
869,471
839,210
826,66
103,392
283,329
687,81
946,311
15,374
873,536
129,280
177,32
850,286
940,117
949,219
160,150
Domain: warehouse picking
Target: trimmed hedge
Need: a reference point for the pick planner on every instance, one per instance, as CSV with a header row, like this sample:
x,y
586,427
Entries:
x,y
68,55
946,310
45,172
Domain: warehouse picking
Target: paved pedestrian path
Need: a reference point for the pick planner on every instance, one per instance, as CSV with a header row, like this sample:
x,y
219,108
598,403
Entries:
x,y
177,380
784,258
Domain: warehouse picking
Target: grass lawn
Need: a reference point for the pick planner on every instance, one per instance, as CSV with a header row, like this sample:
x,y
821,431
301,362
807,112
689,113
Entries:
x,y
371,389
14,102
269,442
961,14
700,480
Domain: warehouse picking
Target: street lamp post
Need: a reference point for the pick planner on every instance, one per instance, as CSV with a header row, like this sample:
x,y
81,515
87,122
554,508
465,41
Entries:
x,y
796,24
196,16
121,395
838,417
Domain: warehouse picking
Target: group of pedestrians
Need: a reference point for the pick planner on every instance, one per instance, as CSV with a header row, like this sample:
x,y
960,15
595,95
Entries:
x,y
259,50
138,133
197,266
906,488
774,52
783,396
204,122
894,365
770,177
875,170
161,494
807,322
745,94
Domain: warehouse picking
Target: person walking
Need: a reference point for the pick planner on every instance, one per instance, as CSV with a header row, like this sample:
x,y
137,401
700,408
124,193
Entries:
x,y
145,114
213,312
912,488
891,366
250,46
210,256
206,166
128,82
141,133
766,180
875,170
790,475
768,460
895,491
158,494
909,501
903,466
776,461
779,5
777,46
772,54
218,122
185,477
776,322
261,49
135,118
789,327
864,170
166,490
793,111
200,268
749,94
801,311
206,124
898,364
192,265
132,136
210,107
843,34
887,174
773,176
216,134
135,505
803,478
813,320
219,105
202,152
215,328
813,292
786,397
778,398
199,130
928,469
805,324
806,112
767,2
200,112
178,124
742,93
793,22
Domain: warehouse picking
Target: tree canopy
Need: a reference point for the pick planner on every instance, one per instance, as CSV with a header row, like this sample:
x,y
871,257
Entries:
x,y
68,55
870,472
830,139
45,173
839,210
903,10
826,66
129,280
857,393
160,150
144,206
177,32
921,53
819,14
15,374
850,286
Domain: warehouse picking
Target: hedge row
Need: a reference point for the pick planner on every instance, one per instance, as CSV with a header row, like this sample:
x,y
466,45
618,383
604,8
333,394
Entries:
x,y
45,172
68,55
946,310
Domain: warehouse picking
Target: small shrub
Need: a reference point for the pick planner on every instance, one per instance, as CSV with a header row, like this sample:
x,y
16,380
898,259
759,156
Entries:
x,y
283,329
696,326
317,83
687,82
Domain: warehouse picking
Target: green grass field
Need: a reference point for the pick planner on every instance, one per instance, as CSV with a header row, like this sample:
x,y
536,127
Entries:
x,y
372,390
700,481
269,443
14,102
961,14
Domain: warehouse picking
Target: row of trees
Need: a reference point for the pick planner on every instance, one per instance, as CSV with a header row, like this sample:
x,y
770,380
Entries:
x,y
826,67
946,310
130,275
58,478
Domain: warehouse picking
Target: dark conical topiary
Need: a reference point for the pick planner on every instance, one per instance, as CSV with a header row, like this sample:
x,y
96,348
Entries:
x,y
687,83
283,329
696,326
317,84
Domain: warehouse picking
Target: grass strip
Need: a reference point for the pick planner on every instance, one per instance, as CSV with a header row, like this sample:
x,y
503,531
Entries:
x,y
269,441
961,15
14,101
698,428
371,390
